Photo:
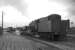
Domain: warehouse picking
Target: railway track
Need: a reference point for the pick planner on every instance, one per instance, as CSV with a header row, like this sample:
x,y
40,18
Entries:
x,y
61,45
64,45
69,44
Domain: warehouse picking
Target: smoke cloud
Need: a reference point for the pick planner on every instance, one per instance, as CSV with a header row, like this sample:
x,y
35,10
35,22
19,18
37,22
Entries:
x,y
19,4
22,6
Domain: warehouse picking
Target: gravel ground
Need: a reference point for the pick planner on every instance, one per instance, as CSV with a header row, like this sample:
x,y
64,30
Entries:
x,y
16,42
13,42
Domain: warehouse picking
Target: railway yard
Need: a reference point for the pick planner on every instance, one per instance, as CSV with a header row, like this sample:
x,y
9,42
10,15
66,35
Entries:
x,y
48,33
16,42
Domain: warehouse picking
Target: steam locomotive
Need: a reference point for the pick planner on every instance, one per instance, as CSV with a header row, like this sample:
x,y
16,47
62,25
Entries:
x,y
50,27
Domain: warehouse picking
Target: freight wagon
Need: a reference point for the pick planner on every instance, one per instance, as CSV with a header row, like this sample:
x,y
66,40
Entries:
x,y
50,27
10,29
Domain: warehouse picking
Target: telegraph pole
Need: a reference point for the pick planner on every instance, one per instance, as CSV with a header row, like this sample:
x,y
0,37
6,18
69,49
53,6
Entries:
x,y
2,22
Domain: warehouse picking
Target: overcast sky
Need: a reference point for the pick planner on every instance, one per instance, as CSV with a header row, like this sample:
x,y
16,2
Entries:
x,y
21,12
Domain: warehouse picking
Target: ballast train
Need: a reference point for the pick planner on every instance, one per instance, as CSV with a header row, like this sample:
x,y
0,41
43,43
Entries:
x,y
50,27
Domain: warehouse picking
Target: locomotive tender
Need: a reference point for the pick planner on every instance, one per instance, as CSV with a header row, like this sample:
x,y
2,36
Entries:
x,y
50,27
